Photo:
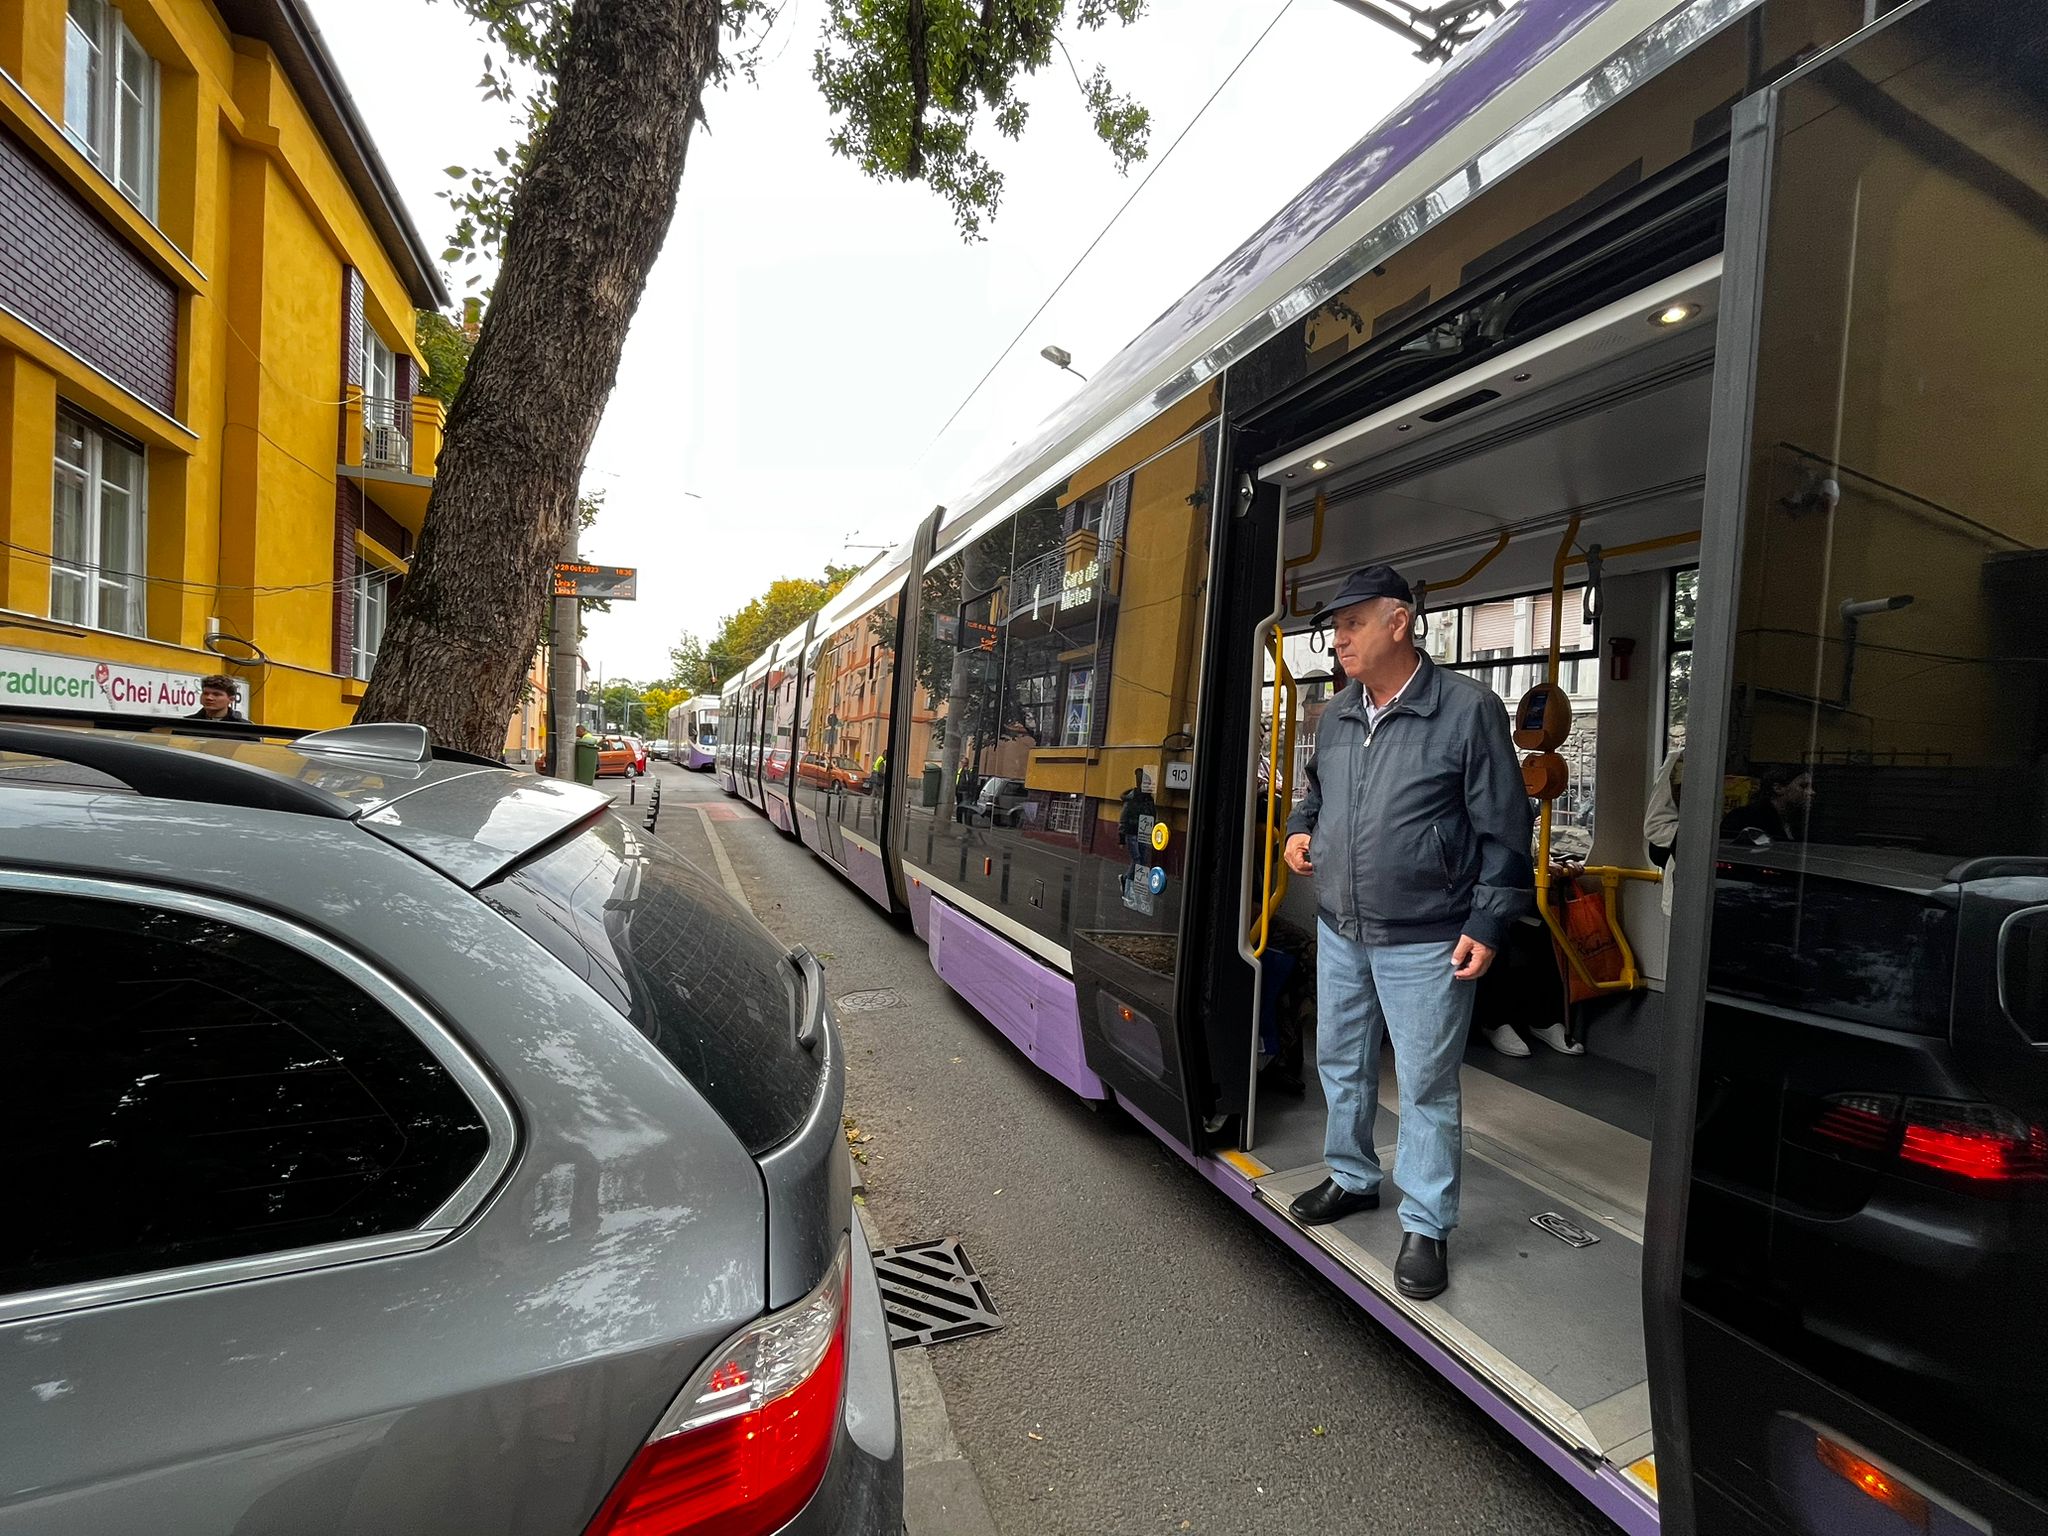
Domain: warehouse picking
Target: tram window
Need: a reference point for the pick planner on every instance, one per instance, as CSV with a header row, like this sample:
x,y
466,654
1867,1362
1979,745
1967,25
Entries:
x,y
1504,642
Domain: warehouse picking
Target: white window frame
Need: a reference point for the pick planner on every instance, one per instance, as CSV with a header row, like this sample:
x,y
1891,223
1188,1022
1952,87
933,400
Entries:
x,y
112,93
372,598
378,366
108,572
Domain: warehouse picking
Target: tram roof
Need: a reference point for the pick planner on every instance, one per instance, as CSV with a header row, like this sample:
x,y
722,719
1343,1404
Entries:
x,y
1534,77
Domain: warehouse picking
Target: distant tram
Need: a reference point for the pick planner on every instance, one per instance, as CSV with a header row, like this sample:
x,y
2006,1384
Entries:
x,y
693,732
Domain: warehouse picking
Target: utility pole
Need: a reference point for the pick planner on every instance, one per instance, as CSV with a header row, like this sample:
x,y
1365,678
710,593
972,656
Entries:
x,y
563,672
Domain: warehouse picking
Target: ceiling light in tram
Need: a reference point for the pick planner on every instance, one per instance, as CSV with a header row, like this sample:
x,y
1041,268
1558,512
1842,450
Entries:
x,y
1320,465
1674,314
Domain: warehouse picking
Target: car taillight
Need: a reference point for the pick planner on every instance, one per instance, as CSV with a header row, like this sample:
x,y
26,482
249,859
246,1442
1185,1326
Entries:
x,y
1979,1142
744,1445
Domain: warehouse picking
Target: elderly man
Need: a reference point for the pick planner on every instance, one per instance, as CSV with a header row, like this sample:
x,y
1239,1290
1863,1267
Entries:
x,y
1416,827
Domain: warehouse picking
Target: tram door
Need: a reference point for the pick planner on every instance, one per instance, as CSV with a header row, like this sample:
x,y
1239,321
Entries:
x,y
1849,1208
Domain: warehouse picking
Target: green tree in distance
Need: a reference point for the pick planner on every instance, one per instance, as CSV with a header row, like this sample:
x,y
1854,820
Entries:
x,y
576,213
706,666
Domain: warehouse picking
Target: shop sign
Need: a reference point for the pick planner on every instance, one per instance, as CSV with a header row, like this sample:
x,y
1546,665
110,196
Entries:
x,y
39,680
1077,588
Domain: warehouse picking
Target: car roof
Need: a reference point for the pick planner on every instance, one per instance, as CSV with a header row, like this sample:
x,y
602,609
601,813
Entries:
x,y
465,816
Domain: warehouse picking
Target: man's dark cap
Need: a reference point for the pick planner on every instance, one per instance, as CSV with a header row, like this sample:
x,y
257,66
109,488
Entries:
x,y
1362,586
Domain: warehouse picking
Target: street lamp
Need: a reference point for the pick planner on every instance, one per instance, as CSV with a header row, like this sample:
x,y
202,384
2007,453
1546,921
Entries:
x,y
1062,359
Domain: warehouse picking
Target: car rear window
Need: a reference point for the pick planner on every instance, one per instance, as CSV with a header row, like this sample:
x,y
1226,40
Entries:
x,y
692,970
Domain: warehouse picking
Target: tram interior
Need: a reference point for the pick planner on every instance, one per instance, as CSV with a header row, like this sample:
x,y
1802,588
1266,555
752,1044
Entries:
x,y
1493,489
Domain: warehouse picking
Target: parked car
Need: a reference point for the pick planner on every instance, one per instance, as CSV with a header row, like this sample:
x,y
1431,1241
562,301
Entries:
x,y
665,750
833,774
617,755
1003,803
438,1153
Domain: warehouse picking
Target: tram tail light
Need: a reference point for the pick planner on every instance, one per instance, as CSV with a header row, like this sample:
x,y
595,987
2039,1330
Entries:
x,y
1982,1143
744,1445
1867,1477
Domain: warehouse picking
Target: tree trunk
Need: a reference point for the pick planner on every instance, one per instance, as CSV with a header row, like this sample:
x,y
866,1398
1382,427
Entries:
x,y
587,226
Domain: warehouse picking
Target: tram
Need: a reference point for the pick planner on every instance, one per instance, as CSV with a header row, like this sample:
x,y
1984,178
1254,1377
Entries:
x,y
693,729
1686,356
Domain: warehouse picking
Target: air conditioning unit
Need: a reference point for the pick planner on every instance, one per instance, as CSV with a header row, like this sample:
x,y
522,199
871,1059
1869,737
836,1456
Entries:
x,y
386,447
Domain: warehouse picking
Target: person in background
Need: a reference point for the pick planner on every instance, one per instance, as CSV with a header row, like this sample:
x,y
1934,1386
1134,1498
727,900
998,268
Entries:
x,y
218,696
1778,813
1660,822
1137,805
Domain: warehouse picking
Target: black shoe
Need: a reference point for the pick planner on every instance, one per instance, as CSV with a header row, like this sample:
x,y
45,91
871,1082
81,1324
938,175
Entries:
x,y
1422,1270
1330,1201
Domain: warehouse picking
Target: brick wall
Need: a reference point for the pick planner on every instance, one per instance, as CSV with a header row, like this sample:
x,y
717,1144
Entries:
x,y
386,530
71,275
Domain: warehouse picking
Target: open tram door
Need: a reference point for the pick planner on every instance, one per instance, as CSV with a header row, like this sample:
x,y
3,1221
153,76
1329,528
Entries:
x,y
1848,1234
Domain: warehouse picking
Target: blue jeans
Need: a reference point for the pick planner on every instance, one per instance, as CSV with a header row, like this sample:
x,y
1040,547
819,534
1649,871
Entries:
x,y
1365,993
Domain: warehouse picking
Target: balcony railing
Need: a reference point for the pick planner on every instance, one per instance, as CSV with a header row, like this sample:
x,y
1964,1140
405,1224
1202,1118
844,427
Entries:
x,y
400,436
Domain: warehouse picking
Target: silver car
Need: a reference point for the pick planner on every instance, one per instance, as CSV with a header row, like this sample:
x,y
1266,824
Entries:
x,y
398,1143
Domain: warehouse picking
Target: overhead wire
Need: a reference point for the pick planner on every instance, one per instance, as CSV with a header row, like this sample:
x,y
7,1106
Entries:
x,y
1150,171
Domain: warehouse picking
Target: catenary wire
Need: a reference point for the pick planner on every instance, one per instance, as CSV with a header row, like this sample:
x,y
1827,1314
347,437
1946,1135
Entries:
x,y
1100,234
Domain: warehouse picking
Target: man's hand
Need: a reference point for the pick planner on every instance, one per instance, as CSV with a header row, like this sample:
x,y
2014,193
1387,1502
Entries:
x,y
1469,961
1296,854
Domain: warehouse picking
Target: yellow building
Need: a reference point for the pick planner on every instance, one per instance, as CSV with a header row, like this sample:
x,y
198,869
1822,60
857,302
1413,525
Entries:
x,y
214,453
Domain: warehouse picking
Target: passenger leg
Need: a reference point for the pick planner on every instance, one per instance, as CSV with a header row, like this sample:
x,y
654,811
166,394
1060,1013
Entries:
x,y
1349,1030
1428,1014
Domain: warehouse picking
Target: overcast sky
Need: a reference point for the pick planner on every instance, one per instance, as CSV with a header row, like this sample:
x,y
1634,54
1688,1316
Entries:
x,y
806,331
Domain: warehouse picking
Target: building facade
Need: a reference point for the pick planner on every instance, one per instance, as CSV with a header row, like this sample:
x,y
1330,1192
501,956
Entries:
x,y
213,445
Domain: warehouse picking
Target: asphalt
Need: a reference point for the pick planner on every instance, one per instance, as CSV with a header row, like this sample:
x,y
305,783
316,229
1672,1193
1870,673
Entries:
x,y
1164,1365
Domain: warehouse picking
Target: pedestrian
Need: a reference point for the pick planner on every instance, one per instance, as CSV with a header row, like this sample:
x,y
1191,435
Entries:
x,y
1137,808
218,695
1416,827
1660,822
1778,813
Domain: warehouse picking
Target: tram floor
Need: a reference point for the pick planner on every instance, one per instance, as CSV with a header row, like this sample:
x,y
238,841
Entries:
x,y
1556,1327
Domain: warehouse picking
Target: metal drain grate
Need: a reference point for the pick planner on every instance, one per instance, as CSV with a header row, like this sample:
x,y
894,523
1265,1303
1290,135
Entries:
x,y
869,1002
932,1293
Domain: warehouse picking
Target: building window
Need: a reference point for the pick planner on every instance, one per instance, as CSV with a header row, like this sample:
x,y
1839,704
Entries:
x,y
387,439
1079,707
96,528
374,590
1685,597
110,99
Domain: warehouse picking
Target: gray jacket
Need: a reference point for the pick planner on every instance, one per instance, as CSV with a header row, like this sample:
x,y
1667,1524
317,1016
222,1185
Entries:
x,y
1421,824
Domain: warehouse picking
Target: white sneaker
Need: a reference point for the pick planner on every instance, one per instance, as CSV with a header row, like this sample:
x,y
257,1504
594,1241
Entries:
x,y
1553,1035
1504,1039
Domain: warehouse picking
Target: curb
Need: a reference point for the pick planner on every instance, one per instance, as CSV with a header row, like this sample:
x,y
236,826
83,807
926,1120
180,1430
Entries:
x,y
942,1496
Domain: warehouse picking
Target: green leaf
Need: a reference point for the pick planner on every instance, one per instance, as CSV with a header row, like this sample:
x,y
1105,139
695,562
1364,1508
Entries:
x,y
455,172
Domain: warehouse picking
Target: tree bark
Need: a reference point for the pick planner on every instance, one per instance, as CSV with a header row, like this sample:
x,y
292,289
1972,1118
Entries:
x,y
586,229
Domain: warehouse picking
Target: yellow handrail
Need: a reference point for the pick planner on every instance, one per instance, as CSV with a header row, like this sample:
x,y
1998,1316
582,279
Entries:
x,y
1669,541
1279,792
1610,877
1315,538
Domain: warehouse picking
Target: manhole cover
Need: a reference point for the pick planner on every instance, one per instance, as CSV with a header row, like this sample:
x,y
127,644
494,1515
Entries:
x,y
869,1002
932,1293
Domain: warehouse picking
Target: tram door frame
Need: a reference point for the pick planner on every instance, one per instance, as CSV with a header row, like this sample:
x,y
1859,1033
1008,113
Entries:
x,y
1752,164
